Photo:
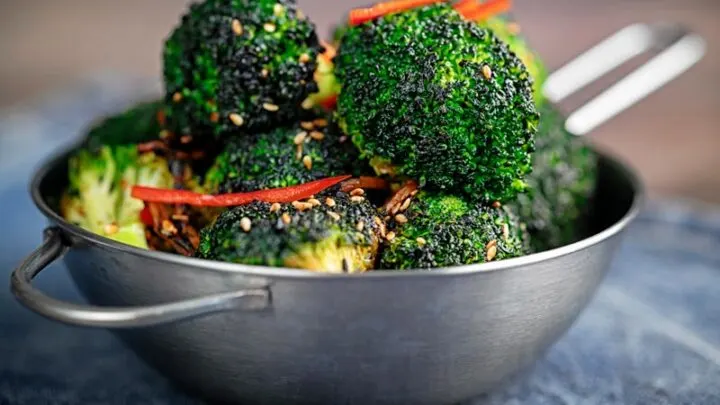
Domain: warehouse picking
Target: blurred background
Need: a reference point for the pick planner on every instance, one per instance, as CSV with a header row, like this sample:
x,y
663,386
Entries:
x,y
672,137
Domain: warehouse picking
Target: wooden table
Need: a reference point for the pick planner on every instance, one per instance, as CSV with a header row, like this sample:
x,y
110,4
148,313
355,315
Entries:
x,y
671,137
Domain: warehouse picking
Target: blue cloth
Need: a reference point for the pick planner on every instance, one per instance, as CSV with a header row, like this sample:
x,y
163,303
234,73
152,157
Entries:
x,y
651,335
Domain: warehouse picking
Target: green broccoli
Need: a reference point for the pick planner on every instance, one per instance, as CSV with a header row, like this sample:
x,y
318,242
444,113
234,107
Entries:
x,y
332,233
102,172
283,157
239,64
445,230
561,186
430,96
508,31
135,125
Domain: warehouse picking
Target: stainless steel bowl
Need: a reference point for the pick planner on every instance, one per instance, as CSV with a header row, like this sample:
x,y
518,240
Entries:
x,y
267,335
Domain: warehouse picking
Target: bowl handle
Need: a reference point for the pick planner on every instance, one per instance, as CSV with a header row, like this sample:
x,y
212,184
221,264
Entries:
x,y
53,247
678,49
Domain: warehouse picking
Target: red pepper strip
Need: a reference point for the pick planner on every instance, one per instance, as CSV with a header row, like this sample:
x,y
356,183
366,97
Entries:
x,y
363,15
279,195
146,217
329,102
366,182
474,11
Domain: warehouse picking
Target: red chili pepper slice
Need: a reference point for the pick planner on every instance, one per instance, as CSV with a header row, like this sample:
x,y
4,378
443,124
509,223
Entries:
x,y
475,10
146,217
279,195
363,15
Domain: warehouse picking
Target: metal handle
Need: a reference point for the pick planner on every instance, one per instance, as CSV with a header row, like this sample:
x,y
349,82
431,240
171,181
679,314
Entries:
x,y
679,49
53,248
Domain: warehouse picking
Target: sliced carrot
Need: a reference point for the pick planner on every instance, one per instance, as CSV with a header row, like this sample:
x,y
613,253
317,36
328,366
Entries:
x,y
474,10
363,15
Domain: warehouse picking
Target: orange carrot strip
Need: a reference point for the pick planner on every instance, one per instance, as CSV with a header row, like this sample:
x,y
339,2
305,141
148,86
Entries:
x,y
363,15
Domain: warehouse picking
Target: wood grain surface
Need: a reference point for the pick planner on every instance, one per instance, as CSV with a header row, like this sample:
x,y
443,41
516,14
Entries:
x,y
671,137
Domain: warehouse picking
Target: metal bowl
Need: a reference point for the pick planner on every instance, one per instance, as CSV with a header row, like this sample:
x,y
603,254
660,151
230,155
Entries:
x,y
268,335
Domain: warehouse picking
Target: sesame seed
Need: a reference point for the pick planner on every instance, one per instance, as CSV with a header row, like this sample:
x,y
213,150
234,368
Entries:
x,y
177,97
360,226
307,125
301,206
487,72
342,139
383,229
421,241
357,199
317,135
168,227
496,204
299,138
307,104
275,207
299,14
269,27
186,139
164,134
111,229
214,117
401,219
237,119
278,9
320,122
357,191
394,209
304,58
314,202
491,253
334,215
298,151
271,107
330,202
387,218
245,224
286,218
405,204
390,236
491,244
237,27
377,221
180,217
414,193
506,231
307,161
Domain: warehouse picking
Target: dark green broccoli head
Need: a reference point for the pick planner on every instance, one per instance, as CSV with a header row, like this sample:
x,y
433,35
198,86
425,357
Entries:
x,y
561,185
135,125
239,64
334,236
428,95
446,230
284,157
509,32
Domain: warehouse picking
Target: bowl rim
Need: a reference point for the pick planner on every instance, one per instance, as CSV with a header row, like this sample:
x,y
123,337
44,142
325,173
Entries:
x,y
54,160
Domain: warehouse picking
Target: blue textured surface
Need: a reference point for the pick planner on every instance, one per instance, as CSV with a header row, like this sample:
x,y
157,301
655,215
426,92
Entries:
x,y
651,335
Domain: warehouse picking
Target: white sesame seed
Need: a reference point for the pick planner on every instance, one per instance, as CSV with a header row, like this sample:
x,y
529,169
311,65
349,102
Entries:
x,y
299,14
111,229
320,122
506,231
317,135
269,27
237,119
237,27
278,9
314,202
307,161
299,138
308,104
491,253
357,199
304,58
298,151
401,219
245,224
271,107
334,215
275,207
405,204
330,202
421,241
491,244
487,72
301,206
307,125
360,226
357,191
264,73
496,204
390,236
177,97
286,218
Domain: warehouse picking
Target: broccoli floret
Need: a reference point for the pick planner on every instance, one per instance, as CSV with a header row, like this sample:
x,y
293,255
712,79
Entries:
x,y
283,157
98,197
137,124
334,236
239,64
446,230
561,186
428,95
509,32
